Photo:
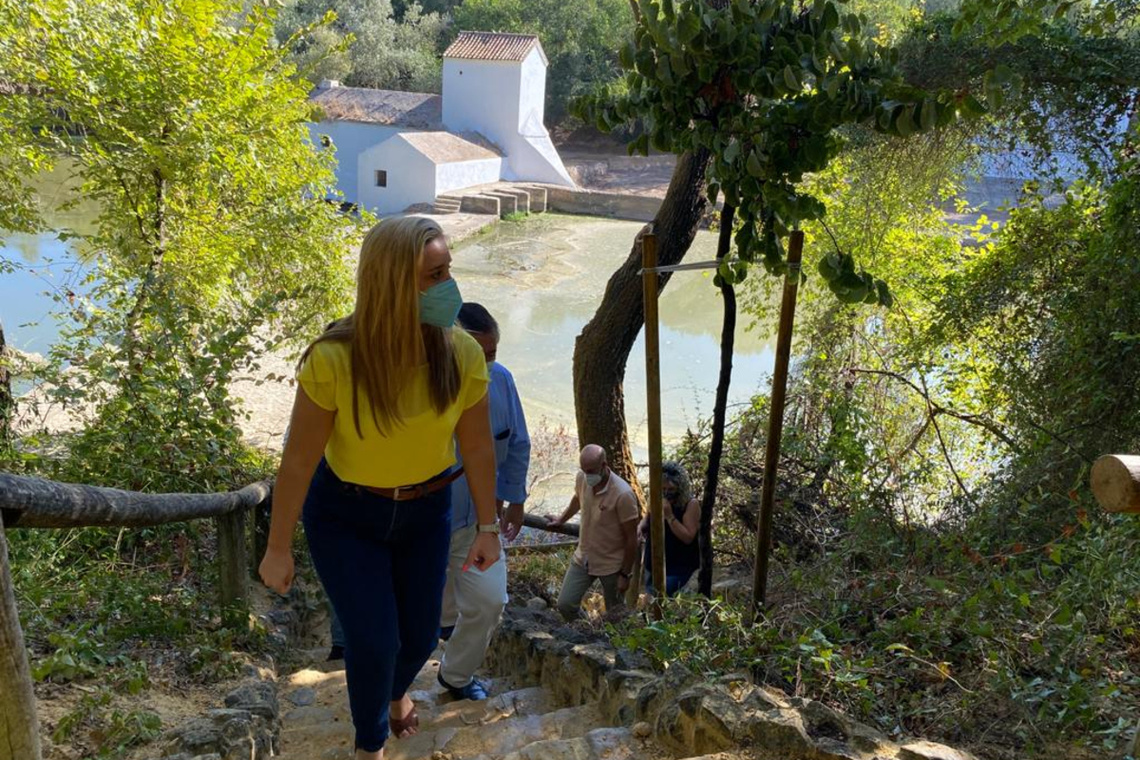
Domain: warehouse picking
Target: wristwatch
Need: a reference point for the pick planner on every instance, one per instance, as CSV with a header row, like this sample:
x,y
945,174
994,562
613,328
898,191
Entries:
x,y
491,528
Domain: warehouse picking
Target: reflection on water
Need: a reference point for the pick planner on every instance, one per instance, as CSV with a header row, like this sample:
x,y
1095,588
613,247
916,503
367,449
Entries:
x,y
44,266
543,280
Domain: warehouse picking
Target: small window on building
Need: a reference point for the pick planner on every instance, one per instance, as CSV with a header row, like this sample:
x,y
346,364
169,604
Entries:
x,y
381,178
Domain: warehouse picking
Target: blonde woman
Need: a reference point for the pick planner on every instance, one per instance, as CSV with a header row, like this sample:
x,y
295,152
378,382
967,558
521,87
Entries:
x,y
384,394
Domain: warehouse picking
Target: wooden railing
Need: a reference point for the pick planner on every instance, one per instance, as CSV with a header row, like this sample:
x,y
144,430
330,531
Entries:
x,y
35,503
29,503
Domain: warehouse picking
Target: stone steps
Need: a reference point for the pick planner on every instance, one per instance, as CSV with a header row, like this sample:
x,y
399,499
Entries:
x,y
446,205
567,696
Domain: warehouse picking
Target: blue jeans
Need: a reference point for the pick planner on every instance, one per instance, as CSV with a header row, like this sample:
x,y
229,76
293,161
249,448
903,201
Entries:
x,y
673,583
383,564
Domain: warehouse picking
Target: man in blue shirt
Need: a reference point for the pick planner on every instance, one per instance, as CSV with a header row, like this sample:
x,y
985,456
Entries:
x,y
473,599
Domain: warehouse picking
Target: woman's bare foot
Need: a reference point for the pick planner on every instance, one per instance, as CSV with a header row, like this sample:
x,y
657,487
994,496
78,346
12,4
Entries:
x,y
402,717
362,755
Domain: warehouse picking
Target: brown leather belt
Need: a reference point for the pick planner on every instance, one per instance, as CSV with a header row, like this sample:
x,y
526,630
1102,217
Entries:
x,y
407,493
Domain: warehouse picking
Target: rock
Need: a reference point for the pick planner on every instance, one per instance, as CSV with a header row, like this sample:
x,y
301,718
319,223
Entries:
x,y
922,750
628,659
258,697
228,734
536,603
779,732
642,730
302,697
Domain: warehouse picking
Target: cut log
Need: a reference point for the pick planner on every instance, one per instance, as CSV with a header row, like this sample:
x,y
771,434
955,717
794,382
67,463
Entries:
x,y
19,729
37,503
1115,482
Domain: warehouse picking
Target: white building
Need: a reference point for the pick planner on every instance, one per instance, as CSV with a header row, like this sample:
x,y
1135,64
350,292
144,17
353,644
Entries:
x,y
395,149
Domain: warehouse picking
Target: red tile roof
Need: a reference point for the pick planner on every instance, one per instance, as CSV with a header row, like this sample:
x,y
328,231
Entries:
x,y
494,46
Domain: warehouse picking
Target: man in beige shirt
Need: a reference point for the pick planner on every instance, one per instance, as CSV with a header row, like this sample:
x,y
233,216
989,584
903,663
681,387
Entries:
x,y
607,541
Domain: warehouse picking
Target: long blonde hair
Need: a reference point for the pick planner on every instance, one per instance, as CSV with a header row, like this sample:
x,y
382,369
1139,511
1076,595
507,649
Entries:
x,y
387,340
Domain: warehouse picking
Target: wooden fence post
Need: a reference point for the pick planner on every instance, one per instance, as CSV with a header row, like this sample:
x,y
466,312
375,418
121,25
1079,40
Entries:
x,y
19,728
653,407
776,423
259,534
233,567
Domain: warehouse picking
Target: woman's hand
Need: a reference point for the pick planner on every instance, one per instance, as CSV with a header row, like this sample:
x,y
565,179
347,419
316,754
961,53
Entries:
x,y
276,570
484,552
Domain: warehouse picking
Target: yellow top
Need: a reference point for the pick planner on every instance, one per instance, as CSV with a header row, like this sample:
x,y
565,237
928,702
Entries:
x,y
413,451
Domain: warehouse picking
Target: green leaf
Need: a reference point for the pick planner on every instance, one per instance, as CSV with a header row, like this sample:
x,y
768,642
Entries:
x,y
972,106
688,26
732,152
755,167
929,114
790,80
830,17
627,55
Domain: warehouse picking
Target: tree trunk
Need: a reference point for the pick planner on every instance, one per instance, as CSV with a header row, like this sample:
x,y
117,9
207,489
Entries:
x,y
19,729
716,445
601,351
7,405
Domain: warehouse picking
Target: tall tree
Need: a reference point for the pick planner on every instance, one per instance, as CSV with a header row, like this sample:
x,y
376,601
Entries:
x,y
764,88
186,125
365,44
602,349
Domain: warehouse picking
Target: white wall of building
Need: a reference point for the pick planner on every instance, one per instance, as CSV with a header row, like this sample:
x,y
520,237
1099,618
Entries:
x,y
461,174
514,122
411,177
481,96
351,138
532,91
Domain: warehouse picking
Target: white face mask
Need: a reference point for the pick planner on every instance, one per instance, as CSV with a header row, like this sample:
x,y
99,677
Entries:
x,y
593,478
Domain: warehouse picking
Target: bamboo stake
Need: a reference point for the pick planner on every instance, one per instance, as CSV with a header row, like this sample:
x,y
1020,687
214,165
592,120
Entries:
x,y
653,393
776,421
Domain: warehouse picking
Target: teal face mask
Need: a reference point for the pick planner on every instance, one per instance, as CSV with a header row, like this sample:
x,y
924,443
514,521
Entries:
x,y
439,304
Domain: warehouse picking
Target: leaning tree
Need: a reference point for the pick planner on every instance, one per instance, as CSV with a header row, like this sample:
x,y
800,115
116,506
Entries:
x,y
765,89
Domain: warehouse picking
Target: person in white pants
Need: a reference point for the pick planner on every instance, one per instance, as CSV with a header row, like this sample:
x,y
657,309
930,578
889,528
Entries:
x,y
473,600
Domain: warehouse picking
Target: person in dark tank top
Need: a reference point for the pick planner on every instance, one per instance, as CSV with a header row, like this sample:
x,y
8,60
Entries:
x,y
682,519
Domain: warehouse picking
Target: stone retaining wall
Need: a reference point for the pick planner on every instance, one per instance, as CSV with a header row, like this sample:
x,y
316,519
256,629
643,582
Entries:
x,y
593,203
683,713
248,725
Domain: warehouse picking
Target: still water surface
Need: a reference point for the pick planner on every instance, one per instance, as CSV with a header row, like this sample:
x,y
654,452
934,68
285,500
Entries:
x,y
541,278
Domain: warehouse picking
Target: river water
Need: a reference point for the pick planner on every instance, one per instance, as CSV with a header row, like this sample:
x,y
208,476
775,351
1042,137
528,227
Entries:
x,y
542,278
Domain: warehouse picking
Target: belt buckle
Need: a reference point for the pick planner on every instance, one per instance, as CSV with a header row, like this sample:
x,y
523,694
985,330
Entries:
x,y
396,492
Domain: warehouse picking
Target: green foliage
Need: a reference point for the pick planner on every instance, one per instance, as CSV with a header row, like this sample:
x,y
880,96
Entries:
x,y
186,125
580,38
1048,304
1076,93
539,573
766,88
1026,652
366,43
